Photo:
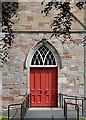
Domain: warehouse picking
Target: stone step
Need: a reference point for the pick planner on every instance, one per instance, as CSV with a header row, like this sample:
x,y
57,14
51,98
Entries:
x,y
49,114
44,108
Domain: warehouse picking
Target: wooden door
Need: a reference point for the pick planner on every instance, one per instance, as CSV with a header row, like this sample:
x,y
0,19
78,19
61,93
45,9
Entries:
x,y
43,86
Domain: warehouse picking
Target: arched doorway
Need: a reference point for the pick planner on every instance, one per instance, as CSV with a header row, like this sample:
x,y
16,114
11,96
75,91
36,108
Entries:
x,y
43,65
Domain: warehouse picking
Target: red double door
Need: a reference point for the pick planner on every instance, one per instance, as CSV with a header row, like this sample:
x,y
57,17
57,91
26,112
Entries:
x,y
43,86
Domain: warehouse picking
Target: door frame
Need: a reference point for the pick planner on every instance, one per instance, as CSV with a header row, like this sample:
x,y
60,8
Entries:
x,y
28,58
28,74
53,66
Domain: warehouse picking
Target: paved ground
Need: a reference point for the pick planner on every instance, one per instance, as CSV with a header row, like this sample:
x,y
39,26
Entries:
x,y
48,114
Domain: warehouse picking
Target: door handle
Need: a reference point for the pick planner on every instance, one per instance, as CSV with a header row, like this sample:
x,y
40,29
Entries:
x,y
45,92
40,92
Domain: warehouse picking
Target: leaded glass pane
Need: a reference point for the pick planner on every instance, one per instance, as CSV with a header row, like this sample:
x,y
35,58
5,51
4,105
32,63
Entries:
x,y
36,60
50,59
43,50
43,56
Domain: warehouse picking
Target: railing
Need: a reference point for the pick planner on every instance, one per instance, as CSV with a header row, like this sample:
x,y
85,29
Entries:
x,y
75,100
21,108
78,99
65,109
18,110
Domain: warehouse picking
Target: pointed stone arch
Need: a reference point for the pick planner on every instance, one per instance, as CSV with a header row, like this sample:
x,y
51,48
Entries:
x,y
42,51
50,49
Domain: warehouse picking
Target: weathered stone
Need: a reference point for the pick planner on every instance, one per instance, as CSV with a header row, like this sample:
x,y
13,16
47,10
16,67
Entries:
x,y
22,8
29,18
16,80
5,92
28,27
62,80
74,68
76,41
16,21
41,24
8,98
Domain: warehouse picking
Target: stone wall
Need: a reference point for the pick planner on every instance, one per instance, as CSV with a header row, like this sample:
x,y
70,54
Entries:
x,y
15,78
85,65
30,17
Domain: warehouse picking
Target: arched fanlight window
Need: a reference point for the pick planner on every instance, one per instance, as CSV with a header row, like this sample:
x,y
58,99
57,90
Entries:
x,y
43,56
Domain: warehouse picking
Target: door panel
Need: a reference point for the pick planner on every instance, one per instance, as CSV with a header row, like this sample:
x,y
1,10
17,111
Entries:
x,y
36,88
47,88
54,88
43,86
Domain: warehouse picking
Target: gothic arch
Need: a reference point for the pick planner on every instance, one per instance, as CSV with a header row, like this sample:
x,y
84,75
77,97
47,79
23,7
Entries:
x,y
42,51
28,59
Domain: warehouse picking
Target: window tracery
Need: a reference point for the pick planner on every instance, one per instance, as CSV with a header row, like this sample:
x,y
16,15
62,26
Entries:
x,y
43,56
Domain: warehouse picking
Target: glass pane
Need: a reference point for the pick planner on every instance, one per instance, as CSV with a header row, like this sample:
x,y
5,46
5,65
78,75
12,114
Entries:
x,y
50,59
40,54
36,60
43,50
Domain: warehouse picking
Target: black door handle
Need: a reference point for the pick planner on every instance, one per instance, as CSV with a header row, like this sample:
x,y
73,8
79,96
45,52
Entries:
x,y
40,92
45,92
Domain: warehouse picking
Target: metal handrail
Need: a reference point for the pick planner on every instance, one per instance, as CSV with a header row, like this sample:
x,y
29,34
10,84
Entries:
x,y
22,107
76,102
65,109
71,95
61,99
14,113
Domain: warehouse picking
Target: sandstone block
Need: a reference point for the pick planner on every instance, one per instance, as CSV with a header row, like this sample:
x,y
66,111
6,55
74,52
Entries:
x,y
41,24
22,8
8,98
28,27
16,21
29,18
75,68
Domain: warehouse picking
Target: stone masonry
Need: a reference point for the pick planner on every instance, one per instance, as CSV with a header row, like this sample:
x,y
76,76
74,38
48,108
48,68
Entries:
x,y
14,81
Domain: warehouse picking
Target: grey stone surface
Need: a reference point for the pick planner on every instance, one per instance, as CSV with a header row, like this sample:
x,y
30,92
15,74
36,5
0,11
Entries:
x,y
44,114
16,79
56,113
85,65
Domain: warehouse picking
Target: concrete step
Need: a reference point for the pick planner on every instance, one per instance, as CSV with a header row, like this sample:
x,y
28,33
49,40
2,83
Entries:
x,y
44,113
44,108
49,114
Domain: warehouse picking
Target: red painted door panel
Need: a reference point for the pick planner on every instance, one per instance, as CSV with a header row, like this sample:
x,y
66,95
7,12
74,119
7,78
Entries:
x,y
43,86
54,88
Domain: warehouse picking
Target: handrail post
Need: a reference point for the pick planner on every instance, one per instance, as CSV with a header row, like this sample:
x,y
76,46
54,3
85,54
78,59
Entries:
x,y
77,112
28,100
8,112
23,108
60,100
66,110
82,106
21,113
64,107
76,100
